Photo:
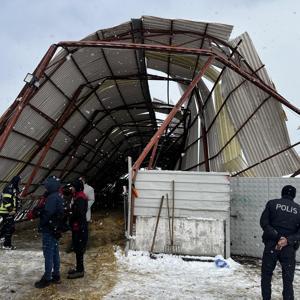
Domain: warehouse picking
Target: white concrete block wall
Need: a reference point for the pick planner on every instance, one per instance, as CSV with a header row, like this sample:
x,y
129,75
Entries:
x,y
198,195
191,236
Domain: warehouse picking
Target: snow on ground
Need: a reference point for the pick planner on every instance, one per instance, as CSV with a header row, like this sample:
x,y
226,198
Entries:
x,y
18,268
169,277
111,275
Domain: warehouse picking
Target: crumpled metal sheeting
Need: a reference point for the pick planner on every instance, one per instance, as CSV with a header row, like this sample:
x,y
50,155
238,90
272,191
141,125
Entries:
x,y
221,31
112,32
190,157
265,133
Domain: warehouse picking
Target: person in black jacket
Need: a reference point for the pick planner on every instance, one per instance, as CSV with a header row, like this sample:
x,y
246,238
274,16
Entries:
x,y
8,208
50,215
79,227
280,222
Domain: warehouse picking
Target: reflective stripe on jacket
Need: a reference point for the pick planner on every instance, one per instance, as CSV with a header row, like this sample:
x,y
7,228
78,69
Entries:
x,y
8,203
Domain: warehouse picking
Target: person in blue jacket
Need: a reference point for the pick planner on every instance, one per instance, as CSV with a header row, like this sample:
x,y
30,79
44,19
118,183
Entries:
x,y
51,215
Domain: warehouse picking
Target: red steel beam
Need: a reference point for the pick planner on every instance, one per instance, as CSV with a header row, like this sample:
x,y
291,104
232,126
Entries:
x,y
27,94
152,156
205,52
171,115
68,111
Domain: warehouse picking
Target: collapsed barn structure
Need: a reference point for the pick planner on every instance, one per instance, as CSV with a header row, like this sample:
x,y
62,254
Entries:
x,y
87,107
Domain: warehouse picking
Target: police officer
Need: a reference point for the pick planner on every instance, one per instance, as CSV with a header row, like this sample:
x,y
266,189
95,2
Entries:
x,y
8,208
280,222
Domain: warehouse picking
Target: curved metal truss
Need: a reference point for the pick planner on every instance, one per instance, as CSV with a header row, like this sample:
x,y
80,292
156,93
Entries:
x,y
92,107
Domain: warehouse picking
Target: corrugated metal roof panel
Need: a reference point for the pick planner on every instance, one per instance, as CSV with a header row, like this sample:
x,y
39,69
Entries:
x,y
89,107
264,134
32,124
119,98
121,62
114,31
17,146
221,31
75,123
7,168
68,78
50,159
62,141
92,63
50,101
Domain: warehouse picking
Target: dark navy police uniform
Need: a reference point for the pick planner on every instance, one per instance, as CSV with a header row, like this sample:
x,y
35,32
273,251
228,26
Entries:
x,y
281,218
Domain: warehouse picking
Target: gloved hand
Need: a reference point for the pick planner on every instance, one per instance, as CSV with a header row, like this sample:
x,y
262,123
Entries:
x,y
75,226
30,215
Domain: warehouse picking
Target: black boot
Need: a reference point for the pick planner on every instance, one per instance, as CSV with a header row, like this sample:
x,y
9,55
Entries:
x,y
42,283
56,279
75,274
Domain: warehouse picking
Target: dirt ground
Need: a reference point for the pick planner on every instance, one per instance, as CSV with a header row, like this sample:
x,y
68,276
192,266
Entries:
x,y
106,231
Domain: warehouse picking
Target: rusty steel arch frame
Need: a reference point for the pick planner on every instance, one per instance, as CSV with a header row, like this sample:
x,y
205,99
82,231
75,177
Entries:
x,y
28,91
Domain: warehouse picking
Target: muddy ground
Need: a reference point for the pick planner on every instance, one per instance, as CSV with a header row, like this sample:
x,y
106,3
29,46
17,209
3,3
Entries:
x,y
106,232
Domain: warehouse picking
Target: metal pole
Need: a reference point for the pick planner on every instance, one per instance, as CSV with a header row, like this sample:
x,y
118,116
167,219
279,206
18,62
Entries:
x,y
154,149
156,225
173,213
129,196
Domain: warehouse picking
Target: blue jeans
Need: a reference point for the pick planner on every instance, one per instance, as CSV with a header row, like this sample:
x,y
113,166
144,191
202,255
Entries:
x,y
51,255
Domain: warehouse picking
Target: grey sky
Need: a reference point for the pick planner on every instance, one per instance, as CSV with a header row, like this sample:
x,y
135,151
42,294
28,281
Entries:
x,y
28,28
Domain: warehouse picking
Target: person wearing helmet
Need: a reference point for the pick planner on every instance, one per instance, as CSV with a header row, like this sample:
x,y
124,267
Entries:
x,y
8,209
280,222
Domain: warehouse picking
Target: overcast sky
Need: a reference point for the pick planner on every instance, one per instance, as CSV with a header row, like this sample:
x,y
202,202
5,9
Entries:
x,y
28,28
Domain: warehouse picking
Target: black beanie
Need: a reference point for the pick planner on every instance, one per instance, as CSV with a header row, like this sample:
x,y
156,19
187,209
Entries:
x,y
78,185
288,191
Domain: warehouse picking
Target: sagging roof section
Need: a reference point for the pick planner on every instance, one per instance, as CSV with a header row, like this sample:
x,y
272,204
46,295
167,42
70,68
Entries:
x,y
93,106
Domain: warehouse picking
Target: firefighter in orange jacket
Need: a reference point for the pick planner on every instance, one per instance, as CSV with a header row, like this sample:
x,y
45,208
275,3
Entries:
x,y
8,209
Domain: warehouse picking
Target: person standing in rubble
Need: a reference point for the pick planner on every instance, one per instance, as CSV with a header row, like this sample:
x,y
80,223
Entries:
x,y
9,206
79,228
90,193
280,222
51,212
